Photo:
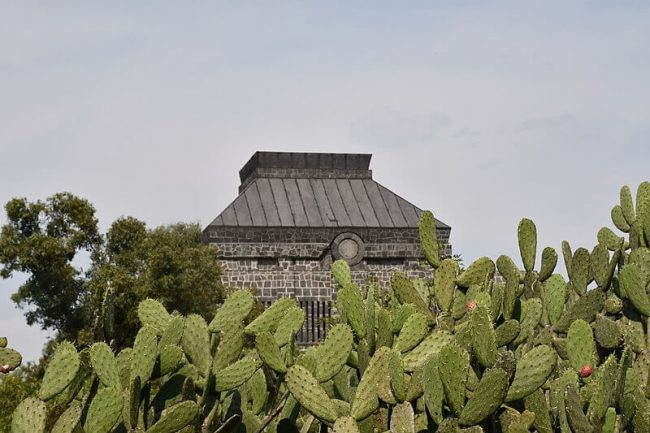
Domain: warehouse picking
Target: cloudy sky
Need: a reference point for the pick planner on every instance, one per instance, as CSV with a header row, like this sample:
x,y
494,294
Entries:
x,y
484,112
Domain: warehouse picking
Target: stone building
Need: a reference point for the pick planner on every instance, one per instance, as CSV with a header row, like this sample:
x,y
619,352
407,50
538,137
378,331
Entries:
x,y
298,212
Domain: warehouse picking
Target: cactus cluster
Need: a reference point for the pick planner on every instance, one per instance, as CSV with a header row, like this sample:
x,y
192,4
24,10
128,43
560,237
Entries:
x,y
529,351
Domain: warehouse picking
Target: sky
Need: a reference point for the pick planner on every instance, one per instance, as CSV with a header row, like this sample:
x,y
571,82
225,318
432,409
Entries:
x,y
484,112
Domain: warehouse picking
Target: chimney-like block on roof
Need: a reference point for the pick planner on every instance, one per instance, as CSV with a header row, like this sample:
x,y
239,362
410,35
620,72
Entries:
x,y
305,165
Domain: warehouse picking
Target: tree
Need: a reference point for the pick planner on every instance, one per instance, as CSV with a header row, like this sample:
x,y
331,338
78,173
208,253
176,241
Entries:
x,y
42,240
168,263
45,239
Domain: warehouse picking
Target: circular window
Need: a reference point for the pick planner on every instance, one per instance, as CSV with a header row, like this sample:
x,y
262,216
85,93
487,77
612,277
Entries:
x,y
349,247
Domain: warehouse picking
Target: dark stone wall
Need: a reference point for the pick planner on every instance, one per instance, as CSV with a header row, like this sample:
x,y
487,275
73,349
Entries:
x,y
406,235
311,279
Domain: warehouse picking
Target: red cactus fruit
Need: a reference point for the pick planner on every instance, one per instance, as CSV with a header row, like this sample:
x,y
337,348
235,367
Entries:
x,y
471,305
585,371
5,369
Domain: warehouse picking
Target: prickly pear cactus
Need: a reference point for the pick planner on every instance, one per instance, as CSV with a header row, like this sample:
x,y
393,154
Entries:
x,y
461,354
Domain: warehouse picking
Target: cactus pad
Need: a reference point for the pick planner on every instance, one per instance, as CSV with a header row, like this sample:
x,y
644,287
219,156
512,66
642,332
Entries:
x,y
334,352
444,283
10,357
305,388
342,273
346,424
527,236
402,419
431,345
175,418
549,261
350,304
453,363
269,352
196,342
532,371
68,421
482,336
406,293
104,364
233,311
230,348
554,294
61,371
633,284
145,351
414,330
154,314
580,345
506,332
29,417
477,272
270,318
428,238
487,397
104,411
290,324
235,374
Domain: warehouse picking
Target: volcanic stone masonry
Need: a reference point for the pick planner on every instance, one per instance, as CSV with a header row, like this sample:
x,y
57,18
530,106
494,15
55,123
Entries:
x,y
298,212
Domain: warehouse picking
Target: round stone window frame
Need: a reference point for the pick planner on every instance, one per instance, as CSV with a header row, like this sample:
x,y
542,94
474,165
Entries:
x,y
348,236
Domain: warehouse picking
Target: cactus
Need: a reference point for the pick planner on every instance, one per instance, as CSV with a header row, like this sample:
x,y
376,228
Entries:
x,y
414,330
342,273
235,374
61,371
145,350
104,411
334,352
580,345
487,397
346,424
290,324
175,418
9,358
428,239
269,352
482,335
432,389
233,311
403,419
532,371
427,347
270,318
407,294
104,363
506,332
533,353
477,272
549,261
453,363
537,404
444,283
633,284
527,236
306,390
154,314
531,312
607,332
350,304
69,420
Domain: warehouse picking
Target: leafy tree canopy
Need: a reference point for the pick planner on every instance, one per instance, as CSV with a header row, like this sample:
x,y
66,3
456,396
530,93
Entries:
x,y
43,238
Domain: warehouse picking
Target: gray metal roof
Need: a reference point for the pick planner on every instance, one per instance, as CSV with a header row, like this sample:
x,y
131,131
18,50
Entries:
x,y
318,202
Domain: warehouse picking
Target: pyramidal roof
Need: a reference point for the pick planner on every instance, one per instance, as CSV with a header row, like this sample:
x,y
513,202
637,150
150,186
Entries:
x,y
291,189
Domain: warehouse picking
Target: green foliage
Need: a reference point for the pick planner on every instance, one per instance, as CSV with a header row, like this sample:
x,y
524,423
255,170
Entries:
x,y
46,239
537,354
